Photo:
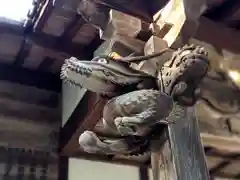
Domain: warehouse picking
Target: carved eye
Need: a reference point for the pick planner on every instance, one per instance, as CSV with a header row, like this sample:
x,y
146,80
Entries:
x,y
102,60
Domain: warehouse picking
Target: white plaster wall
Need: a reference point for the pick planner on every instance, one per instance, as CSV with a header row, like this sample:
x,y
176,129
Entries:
x,y
71,96
90,170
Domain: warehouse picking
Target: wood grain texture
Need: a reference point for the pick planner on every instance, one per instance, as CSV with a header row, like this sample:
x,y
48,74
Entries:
x,y
28,94
186,147
136,8
29,117
90,108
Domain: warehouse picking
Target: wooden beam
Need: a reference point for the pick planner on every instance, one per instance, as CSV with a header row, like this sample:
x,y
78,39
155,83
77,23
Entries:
x,y
29,94
43,15
63,168
121,24
25,76
49,42
136,8
72,29
184,29
143,173
47,63
86,115
19,109
221,34
30,135
105,158
223,11
184,156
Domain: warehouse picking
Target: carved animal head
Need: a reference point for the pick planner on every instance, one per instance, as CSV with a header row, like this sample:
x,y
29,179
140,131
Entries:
x,y
188,66
101,74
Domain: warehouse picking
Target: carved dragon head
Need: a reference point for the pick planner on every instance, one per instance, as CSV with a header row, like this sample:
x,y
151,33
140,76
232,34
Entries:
x,y
181,75
102,74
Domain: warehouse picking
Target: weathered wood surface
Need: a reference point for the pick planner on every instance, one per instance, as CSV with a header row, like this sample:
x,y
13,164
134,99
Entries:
x,y
183,29
90,108
186,148
29,117
122,24
135,8
121,44
153,45
47,81
28,102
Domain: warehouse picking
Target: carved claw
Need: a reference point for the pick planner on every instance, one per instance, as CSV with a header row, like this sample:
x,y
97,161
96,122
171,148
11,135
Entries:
x,y
184,95
91,143
127,145
124,126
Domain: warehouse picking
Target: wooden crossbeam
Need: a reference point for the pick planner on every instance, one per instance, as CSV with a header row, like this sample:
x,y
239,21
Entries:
x,y
85,116
47,41
25,76
137,8
26,112
182,156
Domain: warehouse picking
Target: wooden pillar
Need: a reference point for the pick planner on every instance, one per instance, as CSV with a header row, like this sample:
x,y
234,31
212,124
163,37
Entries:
x,y
183,156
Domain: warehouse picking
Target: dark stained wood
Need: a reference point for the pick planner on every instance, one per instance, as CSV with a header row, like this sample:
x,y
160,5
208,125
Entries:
x,y
23,110
41,20
185,148
63,168
221,34
137,8
28,94
105,158
72,29
10,28
156,5
23,52
143,173
47,41
76,118
95,43
223,11
223,164
46,64
50,42
25,76
25,113
30,135
86,115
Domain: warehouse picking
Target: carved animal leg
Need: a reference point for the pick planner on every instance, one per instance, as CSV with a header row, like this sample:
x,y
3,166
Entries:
x,y
91,143
138,123
182,95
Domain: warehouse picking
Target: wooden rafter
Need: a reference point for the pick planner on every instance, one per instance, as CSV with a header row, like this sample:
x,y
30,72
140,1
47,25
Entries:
x,y
42,80
26,112
49,42
43,15
137,8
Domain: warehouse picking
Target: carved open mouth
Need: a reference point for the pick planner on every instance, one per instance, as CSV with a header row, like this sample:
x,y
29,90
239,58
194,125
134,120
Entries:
x,y
71,65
